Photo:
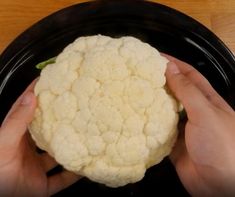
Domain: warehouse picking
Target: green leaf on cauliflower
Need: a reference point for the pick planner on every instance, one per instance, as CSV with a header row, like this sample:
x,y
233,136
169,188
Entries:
x,y
43,64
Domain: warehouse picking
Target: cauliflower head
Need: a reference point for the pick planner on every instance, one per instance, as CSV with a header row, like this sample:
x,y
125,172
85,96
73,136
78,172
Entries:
x,y
103,109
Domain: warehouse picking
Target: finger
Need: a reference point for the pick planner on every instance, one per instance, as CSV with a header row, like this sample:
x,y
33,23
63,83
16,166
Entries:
x,y
193,100
61,181
15,125
17,102
178,151
47,162
183,66
186,170
179,147
169,57
201,82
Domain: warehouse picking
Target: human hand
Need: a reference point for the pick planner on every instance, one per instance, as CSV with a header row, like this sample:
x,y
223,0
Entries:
x,y
22,169
204,155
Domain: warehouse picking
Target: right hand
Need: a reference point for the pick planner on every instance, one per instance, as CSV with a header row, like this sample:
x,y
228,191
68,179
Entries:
x,y
204,155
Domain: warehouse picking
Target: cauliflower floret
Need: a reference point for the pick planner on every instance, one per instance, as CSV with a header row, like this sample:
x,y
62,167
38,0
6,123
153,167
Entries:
x,y
103,110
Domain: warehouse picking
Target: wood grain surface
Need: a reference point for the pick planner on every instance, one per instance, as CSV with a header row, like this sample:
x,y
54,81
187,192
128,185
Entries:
x,y
18,15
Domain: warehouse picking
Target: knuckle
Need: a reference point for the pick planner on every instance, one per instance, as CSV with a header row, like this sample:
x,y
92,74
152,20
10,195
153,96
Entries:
x,y
191,72
184,82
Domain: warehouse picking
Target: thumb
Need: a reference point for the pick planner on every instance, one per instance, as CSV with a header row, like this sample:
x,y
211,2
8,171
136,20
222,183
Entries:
x,y
193,100
16,122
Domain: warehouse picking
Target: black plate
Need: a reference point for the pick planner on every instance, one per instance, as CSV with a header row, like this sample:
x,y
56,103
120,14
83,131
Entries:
x,y
164,28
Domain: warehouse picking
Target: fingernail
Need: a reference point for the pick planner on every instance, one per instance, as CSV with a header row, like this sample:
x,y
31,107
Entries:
x,y
173,68
27,98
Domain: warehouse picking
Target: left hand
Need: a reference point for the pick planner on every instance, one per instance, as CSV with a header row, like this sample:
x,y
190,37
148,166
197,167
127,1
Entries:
x,y
22,169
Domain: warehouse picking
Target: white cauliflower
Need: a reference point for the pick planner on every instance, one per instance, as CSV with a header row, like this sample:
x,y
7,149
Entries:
x,y
103,110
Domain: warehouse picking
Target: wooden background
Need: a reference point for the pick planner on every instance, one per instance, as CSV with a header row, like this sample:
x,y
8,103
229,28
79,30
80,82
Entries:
x,y
18,15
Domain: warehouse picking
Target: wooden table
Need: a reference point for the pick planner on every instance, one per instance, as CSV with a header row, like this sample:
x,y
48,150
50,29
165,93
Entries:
x,y
17,15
